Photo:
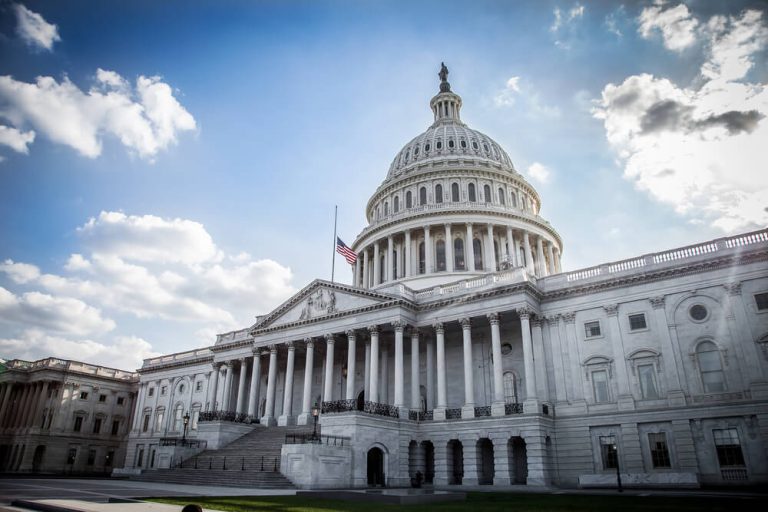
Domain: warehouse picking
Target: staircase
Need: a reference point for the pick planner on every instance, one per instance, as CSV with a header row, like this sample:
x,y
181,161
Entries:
x,y
252,460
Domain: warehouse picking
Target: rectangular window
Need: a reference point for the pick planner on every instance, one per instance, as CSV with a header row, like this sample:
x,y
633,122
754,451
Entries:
x,y
592,329
163,390
102,398
115,427
83,395
728,447
97,425
78,424
120,400
199,385
711,371
151,392
145,427
659,450
159,421
600,385
761,299
194,419
91,457
109,458
608,452
646,373
637,322
71,455
140,458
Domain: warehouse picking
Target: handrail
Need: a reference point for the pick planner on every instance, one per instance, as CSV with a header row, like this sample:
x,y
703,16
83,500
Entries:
x,y
223,463
232,416
327,440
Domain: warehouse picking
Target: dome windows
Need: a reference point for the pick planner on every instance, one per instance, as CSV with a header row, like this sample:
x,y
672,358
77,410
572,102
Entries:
x,y
513,200
486,148
486,193
439,144
426,147
451,144
407,155
502,201
474,145
455,192
471,192
408,199
463,144
396,205
422,196
386,208
416,151
438,193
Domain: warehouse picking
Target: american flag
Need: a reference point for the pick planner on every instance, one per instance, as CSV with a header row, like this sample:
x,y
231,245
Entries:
x,y
345,251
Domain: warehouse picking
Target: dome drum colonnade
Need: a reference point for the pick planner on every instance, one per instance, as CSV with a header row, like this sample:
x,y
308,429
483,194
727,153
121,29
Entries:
x,y
446,187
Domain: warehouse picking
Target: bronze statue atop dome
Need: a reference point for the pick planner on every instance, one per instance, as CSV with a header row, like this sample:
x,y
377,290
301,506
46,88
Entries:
x,y
443,74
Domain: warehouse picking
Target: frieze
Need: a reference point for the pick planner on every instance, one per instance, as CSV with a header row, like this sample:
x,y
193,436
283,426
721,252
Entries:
x,y
320,303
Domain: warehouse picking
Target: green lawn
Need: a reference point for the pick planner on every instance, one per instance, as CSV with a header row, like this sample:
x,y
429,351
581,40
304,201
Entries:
x,y
482,502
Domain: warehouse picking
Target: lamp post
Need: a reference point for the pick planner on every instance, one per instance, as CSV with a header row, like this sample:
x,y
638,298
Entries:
x,y
618,470
315,414
186,423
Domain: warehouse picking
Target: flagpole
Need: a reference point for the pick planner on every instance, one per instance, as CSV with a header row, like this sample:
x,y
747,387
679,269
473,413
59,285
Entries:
x,y
333,254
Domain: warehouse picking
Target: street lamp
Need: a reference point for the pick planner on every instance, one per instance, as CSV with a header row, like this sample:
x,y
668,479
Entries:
x,y
618,470
186,423
315,414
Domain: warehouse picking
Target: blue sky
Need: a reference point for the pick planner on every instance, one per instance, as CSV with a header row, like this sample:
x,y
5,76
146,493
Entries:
x,y
168,170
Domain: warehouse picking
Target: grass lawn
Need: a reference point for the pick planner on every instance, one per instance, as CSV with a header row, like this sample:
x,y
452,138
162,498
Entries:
x,y
492,501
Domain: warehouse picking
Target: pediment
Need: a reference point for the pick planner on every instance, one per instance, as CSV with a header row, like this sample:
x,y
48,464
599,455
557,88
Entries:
x,y
322,299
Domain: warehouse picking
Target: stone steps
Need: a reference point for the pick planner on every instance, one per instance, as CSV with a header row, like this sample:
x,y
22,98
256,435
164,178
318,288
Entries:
x,y
224,478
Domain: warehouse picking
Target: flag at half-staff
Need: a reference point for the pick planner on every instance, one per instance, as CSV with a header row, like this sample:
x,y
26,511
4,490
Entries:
x,y
345,251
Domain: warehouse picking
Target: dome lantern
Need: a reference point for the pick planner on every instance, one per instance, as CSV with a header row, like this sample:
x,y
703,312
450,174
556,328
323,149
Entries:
x,y
446,106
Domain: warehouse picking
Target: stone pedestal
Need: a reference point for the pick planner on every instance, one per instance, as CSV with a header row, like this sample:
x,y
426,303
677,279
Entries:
x,y
468,411
498,409
469,450
284,421
438,414
531,406
304,418
626,403
676,398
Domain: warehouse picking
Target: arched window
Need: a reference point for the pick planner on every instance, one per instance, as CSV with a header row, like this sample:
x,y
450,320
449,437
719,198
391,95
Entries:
x,y
408,199
487,193
422,259
440,254
178,413
396,204
502,201
386,208
439,144
510,388
471,192
710,367
438,193
513,200
477,247
463,144
422,196
455,192
450,143
458,254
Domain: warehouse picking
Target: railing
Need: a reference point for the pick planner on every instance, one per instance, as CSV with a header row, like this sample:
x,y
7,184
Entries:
x,y
336,406
317,439
381,409
513,408
731,475
179,441
232,416
75,366
484,410
180,356
376,408
515,274
453,414
263,463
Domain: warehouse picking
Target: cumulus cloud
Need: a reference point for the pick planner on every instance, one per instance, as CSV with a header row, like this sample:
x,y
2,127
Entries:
x,y
563,24
676,24
699,148
145,118
516,89
506,96
19,272
540,173
34,30
16,139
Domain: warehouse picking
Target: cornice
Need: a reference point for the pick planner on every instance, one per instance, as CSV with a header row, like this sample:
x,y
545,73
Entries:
x,y
176,364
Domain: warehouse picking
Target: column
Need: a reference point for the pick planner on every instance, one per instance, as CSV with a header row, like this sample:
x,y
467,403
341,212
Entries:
x,y
23,401
26,420
531,403
384,375
542,265
38,411
528,254
558,267
227,386
469,249
574,360
407,253
367,371
287,417
469,449
253,395
399,370
448,248
373,386
516,243
539,365
442,402
551,254
269,410
7,387
306,402
376,262
358,280
328,388
625,400
558,348
213,386
468,410
390,257
430,373
240,407
428,262
415,384
491,250
497,408
366,277
512,254
351,359
501,458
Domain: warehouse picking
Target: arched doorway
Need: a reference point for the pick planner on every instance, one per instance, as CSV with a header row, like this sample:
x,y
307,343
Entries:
x,y
376,467
518,460
37,458
361,401
485,467
429,461
455,462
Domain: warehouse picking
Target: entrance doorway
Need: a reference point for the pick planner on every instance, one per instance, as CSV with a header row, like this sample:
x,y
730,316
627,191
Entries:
x,y
361,401
37,458
456,462
486,469
376,467
429,461
519,462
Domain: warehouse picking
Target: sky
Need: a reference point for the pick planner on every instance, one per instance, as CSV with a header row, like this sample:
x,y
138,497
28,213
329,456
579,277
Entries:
x,y
169,170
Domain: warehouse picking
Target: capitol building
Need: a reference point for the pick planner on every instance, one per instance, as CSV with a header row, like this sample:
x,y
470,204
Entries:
x,y
462,354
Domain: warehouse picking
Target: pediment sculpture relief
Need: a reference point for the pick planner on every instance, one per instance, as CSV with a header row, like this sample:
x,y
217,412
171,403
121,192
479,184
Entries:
x,y
321,302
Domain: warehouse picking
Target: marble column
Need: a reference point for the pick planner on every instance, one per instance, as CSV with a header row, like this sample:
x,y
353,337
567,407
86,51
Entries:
x,y
469,249
367,370
306,401
491,250
376,263
551,255
542,264
328,388
227,385
442,395
240,407
528,253
7,388
253,395
213,386
448,248
625,399
428,261
468,410
138,407
390,257
539,360
399,370
373,386
351,359
497,407
430,372
407,252
358,280
384,375
511,256
415,384
286,418
269,410
531,403
558,267
366,277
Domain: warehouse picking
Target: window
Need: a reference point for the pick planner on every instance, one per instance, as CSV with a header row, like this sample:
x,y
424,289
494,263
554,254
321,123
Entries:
x,y
198,386
477,249
510,388
513,200
163,390
78,424
71,455
140,457
83,395
426,147
382,268
440,253
474,145
102,398
698,313
386,208
637,322
455,192
710,367
502,201
115,427
458,254
415,151
394,264
471,192
97,425
439,144
120,400
450,143
422,259
177,418
463,144
109,458
159,420
646,373
91,457
151,392
145,426
592,329
659,450
438,193
422,196
408,199
761,300
600,386
608,452
396,205
195,417
728,447
486,193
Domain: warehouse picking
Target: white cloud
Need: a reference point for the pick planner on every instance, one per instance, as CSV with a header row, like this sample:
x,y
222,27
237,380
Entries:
x,y
540,173
19,272
16,139
33,28
563,18
699,148
676,24
146,119
58,314
516,88
506,97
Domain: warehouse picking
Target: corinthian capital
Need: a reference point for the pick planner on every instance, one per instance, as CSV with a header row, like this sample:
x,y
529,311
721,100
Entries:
x,y
611,309
525,312
657,302
493,318
398,325
466,323
439,328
